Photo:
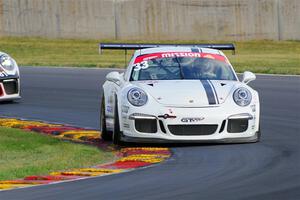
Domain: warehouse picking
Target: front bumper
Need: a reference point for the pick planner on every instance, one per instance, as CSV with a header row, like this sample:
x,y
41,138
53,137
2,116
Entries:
x,y
207,124
10,88
254,138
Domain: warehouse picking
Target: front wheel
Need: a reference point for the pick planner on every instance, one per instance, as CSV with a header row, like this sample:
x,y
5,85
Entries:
x,y
105,134
116,133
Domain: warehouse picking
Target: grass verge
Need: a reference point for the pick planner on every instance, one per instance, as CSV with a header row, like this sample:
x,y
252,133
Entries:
x,y
28,153
276,57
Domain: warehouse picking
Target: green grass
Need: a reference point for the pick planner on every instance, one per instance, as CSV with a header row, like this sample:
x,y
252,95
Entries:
x,y
28,153
278,57
267,57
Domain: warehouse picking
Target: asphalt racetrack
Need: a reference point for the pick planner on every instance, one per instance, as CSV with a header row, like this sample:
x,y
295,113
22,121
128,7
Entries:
x,y
269,169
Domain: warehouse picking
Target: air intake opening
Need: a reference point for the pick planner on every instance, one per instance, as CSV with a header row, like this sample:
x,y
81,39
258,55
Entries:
x,y
146,125
11,87
237,125
205,129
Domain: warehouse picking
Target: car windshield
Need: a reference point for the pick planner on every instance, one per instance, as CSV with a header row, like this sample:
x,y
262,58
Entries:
x,y
181,65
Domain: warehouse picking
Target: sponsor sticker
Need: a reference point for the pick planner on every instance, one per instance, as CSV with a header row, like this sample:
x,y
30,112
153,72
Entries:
x,y
147,57
109,109
124,109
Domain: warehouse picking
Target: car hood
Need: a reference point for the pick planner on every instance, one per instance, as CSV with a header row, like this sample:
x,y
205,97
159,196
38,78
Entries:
x,y
188,93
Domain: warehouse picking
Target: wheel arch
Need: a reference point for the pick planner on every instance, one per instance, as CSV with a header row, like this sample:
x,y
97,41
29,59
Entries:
x,y
112,95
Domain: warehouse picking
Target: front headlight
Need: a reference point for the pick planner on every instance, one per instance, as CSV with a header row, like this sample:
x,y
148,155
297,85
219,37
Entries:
x,y
242,96
137,97
7,63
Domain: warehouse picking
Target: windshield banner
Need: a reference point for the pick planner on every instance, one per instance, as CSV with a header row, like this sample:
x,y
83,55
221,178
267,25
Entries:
x,y
179,54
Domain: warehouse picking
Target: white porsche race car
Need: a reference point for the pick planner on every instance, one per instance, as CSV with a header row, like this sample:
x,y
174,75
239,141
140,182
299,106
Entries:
x,y
9,78
179,94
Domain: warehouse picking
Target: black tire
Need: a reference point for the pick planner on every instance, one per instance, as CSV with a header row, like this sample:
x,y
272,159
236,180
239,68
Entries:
x,y
116,137
105,134
7,102
258,134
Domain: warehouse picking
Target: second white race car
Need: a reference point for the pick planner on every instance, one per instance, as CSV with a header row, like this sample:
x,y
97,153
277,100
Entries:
x,y
179,94
9,78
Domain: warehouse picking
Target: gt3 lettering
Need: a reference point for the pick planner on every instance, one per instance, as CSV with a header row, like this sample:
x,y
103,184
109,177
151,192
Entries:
x,y
191,120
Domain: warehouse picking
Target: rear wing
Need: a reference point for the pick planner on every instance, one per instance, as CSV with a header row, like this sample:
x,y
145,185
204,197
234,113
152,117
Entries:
x,y
132,46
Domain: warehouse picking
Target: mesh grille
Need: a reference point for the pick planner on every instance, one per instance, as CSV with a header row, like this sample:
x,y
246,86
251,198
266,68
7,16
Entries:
x,y
11,87
193,129
237,125
146,125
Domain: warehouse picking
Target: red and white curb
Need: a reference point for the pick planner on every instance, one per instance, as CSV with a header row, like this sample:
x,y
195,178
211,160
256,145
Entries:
x,y
128,158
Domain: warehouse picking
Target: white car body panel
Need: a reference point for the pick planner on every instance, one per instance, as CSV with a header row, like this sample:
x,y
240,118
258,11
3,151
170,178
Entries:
x,y
7,78
183,99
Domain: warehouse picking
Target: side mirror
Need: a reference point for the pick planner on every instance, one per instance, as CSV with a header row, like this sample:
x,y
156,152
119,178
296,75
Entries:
x,y
248,77
113,77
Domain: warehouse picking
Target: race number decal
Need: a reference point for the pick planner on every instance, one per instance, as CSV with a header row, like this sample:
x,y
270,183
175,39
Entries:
x,y
141,65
